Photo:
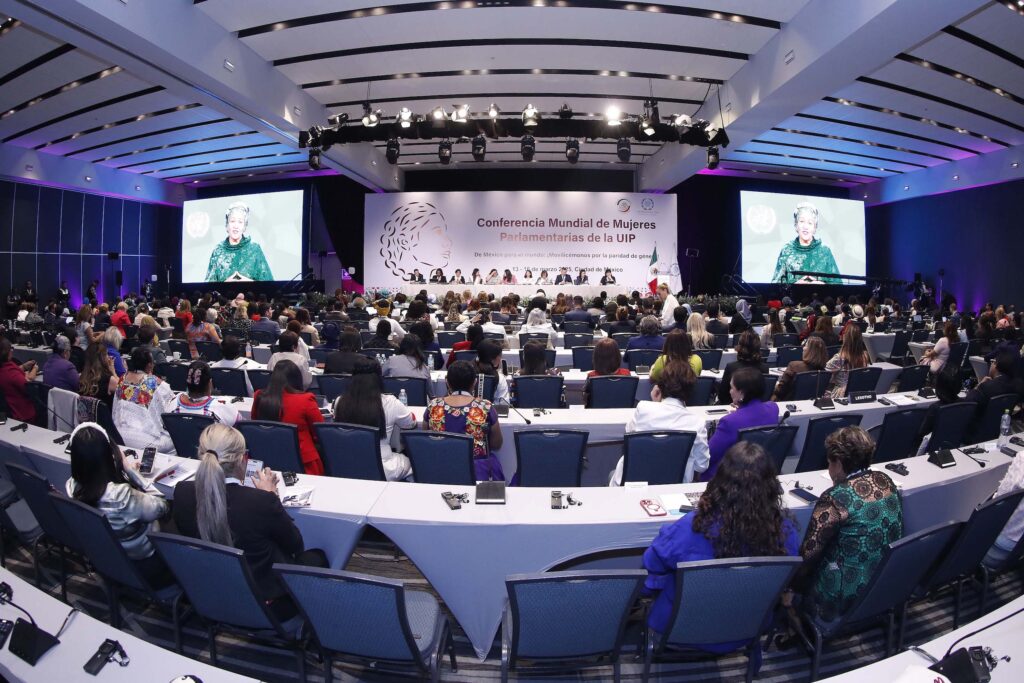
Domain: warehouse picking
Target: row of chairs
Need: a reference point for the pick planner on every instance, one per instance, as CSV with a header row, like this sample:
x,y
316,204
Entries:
x,y
717,600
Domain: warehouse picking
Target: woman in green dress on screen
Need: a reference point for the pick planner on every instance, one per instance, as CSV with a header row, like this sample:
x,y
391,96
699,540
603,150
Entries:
x,y
237,257
806,251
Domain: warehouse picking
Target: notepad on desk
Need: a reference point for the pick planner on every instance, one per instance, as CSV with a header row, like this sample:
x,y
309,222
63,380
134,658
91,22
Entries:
x,y
297,497
678,504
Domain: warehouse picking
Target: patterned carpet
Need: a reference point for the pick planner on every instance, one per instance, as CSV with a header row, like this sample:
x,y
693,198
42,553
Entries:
x,y
927,619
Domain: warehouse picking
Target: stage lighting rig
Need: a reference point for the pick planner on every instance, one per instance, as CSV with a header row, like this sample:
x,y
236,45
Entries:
x,y
527,147
444,151
493,111
370,117
460,113
314,159
651,118
530,116
337,120
572,150
394,149
623,149
613,115
565,112
713,158
438,114
479,148
405,117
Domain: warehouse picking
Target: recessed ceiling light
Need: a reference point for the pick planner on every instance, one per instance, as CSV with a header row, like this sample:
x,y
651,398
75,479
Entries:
x,y
956,177
138,187
906,187
228,65
88,178
1015,164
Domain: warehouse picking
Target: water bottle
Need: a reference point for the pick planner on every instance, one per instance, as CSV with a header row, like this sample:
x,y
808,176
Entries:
x,y
1004,429
404,399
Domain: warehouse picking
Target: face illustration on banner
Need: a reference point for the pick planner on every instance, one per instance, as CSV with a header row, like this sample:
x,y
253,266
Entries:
x,y
415,236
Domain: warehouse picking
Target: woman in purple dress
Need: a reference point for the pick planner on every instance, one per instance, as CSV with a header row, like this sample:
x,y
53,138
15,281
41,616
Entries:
x,y
463,412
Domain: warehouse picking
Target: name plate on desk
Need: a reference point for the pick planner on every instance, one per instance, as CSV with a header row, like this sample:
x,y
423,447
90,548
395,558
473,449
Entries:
x,y
862,397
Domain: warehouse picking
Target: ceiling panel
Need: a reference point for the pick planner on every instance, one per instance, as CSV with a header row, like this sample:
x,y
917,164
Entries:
x,y
998,25
171,127
970,59
859,164
250,163
45,79
849,149
20,45
213,136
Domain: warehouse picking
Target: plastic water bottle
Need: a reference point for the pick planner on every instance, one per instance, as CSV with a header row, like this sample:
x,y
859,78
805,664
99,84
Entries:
x,y
1004,429
404,398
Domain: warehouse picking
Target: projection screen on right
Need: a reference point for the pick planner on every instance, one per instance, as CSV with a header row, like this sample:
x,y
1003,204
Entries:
x,y
783,233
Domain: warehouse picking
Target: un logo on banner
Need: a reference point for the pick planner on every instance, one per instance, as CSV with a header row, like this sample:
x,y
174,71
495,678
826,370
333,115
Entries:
x,y
623,205
647,204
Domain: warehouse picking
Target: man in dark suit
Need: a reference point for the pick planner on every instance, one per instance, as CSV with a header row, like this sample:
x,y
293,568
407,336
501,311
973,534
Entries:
x,y
416,276
1001,380
344,360
577,313
715,324
563,277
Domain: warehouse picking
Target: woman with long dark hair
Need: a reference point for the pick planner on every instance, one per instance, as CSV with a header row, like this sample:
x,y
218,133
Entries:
x,y
410,361
852,355
474,335
284,400
748,355
937,356
365,403
678,348
773,328
103,478
740,514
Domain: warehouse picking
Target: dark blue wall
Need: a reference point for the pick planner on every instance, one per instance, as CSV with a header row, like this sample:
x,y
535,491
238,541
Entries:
x,y
975,235
48,235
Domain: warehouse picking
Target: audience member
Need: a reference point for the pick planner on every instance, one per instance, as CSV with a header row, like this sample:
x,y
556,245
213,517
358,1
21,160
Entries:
x,y
741,320
231,352
98,379
715,324
650,335
488,362
59,371
852,355
13,378
112,339
120,318
410,361
773,328
199,400
286,351
678,348
285,400
748,355
140,400
701,338
382,336
745,389
937,356
814,358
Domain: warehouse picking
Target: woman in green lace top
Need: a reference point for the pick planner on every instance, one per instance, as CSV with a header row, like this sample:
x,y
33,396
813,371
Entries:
x,y
237,253
850,527
806,251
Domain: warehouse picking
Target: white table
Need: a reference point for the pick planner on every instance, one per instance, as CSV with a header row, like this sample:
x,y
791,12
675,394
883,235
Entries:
x,y
918,349
26,353
79,641
980,367
1004,639
879,344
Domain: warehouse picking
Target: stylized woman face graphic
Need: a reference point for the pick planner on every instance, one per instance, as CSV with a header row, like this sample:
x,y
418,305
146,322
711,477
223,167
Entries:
x,y
415,235
236,226
435,247
806,226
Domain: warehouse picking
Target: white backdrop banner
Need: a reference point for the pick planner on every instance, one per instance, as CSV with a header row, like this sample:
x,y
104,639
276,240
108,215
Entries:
x,y
519,231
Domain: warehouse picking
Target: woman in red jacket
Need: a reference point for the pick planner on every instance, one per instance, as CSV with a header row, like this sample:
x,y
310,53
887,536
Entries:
x,y
284,401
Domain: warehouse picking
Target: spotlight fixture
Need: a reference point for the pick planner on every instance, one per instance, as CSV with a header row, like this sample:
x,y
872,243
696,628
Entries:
x,y
713,158
530,115
370,117
444,151
565,112
613,115
404,117
314,159
711,131
650,118
572,150
438,113
623,149
337,119
460,112
479,148
682,121
493,111
527,147
394,149
647,126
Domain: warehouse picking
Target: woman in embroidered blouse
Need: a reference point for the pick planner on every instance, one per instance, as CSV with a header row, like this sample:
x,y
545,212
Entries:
x,y
850,527
140,400
852,355
461,412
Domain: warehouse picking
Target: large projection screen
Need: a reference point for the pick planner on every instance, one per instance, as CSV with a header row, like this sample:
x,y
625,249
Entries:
x,y
519,231
782,233
242,238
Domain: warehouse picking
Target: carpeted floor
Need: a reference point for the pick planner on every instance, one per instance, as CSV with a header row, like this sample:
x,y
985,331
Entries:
x,y
927,619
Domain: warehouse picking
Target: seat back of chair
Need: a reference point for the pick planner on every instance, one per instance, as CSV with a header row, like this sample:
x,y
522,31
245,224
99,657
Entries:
x,y
912,378
724,600
465,354
812,457
105,419
550,457
952,422
440,457
622,338
38,393
34,489
525,337
599,601
711,359
656,457
900,570
613,391
863,379
275,443
349,451
776,440
184,430
635,357
448,338
490,383
808,386
575,326
333,386
180,346
784,355
216,579
209,351
262,336
919,336
721,341
229,381
900,434
703,389
769,387
259,379
974,540
538,391
415,389
573,339
988,427
96,540
174,374
583,358
957,354
353,614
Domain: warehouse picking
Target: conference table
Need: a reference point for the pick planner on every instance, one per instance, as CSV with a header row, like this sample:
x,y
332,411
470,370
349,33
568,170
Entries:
x,y
466,554
79,641
525,291
26,353
878,344
1001,629
980,366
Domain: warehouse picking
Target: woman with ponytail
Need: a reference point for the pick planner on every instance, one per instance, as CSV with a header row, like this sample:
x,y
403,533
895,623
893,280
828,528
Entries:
x,y
218,507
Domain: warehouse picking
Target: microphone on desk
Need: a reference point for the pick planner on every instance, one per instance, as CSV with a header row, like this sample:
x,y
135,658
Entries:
x,y
509,404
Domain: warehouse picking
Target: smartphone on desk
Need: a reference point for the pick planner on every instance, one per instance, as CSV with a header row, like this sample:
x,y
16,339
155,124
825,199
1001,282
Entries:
x,y
804,494
148,457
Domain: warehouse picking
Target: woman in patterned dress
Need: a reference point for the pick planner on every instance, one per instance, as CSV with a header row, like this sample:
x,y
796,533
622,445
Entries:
x,y
463,412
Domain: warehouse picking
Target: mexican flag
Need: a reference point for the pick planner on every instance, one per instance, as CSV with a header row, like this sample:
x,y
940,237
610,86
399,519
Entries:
x,y
652,269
